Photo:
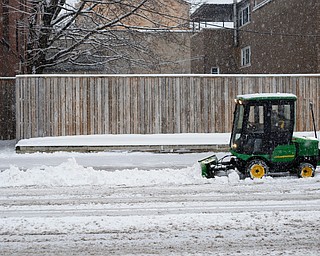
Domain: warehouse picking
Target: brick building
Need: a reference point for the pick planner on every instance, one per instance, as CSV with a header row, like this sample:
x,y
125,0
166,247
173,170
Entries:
x,y
12,37
166,14
155,39
270,36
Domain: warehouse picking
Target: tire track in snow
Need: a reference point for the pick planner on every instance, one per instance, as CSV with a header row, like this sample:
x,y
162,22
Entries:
x,y
157,205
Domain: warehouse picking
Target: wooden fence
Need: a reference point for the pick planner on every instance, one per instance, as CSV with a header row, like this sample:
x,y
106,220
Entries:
x,y
7,108
59,105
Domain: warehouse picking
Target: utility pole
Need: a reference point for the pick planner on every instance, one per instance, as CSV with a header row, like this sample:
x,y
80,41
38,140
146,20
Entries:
x,y
235,27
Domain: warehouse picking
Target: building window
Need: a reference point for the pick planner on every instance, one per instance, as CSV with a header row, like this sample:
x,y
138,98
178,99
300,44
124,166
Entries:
x,y
215,70
246,56
244,15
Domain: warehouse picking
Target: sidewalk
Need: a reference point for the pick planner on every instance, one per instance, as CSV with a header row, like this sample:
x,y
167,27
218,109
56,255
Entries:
x,y
159,143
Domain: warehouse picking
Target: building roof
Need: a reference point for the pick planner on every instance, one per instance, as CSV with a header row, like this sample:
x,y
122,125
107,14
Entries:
x,y
213,13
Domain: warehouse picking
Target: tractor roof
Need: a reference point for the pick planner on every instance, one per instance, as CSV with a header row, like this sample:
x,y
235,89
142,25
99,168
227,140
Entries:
x,y
267,96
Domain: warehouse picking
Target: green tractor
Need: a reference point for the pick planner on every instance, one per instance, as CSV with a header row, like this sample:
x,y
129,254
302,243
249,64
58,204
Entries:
x,y
262,140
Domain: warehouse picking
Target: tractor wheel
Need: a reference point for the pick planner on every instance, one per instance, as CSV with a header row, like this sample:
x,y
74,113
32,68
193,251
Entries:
x,y
306,170
256,169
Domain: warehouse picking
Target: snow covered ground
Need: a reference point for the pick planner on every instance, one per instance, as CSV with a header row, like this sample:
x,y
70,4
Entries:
x,y
124,203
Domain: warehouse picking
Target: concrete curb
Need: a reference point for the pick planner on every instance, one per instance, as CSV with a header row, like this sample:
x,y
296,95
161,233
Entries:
x,y
126,148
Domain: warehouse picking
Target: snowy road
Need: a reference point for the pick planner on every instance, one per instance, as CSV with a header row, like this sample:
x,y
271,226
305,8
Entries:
x,y
152,204
53,204
221,217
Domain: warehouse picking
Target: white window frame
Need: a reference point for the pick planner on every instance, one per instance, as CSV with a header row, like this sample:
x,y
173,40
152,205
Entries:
x,y
260,4
244,15
217,70
246,56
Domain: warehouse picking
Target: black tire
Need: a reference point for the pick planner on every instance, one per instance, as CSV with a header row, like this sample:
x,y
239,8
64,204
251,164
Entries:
x,y
306,170
256,169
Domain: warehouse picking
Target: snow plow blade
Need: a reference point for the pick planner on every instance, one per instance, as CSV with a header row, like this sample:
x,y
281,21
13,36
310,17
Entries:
x,y
211,166
207,165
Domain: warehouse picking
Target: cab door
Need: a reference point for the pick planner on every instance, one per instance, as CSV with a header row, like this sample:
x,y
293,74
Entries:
x,y
255,131
281,131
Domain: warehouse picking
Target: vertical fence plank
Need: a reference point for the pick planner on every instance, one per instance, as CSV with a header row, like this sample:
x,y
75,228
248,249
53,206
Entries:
x,y
18,105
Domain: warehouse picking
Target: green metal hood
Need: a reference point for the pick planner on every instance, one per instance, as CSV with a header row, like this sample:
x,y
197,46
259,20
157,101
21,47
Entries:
x,y
307,146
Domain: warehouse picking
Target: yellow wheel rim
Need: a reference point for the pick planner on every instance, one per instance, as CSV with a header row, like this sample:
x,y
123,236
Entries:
x,y
306,172
257,171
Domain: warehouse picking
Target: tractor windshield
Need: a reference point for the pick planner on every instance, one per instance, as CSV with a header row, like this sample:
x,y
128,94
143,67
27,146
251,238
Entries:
x,y
249,126
237,125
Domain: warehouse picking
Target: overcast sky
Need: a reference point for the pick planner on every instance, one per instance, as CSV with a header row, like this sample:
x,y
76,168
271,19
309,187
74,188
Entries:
x,y
213,1
217,1
196,1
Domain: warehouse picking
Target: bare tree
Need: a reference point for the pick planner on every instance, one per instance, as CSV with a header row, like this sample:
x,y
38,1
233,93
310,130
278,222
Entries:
x,y
95,32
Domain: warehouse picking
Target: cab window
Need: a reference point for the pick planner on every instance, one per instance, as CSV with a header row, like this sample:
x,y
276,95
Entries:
x,y
280,116
255,119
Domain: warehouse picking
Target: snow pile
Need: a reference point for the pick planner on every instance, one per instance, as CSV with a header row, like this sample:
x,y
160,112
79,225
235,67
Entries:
x,y
233,177
70,173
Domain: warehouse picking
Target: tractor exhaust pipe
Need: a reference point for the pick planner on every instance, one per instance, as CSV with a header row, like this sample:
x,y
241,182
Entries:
x,y
314,123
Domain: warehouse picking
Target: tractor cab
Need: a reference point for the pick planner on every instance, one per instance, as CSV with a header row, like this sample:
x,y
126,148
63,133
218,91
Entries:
x,y
262,134
262,122
262,140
